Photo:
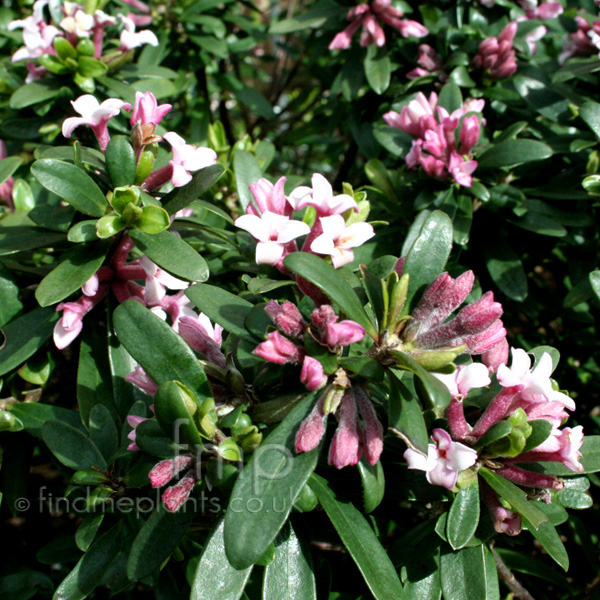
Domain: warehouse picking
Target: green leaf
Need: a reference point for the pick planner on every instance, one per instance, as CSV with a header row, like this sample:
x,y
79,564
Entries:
x,y
91,569
491,575
71,447
8,166
24,336
222,307
515,496
153,219
89,67
154,543
590,113
520,562
120,161
103,431
160,351
78,265
34,93
183,196
109,225
247,95
332,283
34,415
513,152
215,578
86,532
506,269
378,69
247,171
406,414
71,184
20,238
364,366
265,491
84,231
171,254
290,574
10,305
373,484
463,574
594,279
151,438
450,97
361,542
213,45
548,537
429,253
57,218
436,392
311,18
463,516
540,432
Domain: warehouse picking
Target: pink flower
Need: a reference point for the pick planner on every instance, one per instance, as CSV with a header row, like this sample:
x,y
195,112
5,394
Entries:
x,y
429,62
162,472
130,39
95,115
416,117
147,111
497,55
287,318
464,379
372,428
343,333
345,448
534,384
140,378
278,349
203,337
312,429
337,240
273,232
461,169
158,281
312,374
496,356
177,494
187,158
77,22
444,460
6,188
269,198
321,197
133,421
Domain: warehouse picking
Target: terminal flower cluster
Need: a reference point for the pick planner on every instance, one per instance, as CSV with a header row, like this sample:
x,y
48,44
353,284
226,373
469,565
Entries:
x,y
436,147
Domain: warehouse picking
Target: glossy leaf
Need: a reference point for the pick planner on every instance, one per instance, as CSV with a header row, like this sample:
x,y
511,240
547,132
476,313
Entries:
x,y
290,574
222,307
463,516
171,254
548,537
20,238
24,336
463,574
76,268
332,283
120,161
378,69
160,351
590,113
8,166
72,447
181,197
34,415
153,219
373,484
103,431
506,270
247,171
270,482
71,184
513,152
361,542
10,305
215,578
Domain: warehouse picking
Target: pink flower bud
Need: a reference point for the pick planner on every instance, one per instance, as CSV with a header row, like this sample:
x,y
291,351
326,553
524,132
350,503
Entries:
x,y
312,374
199,340
140,378
345,448
344,333
165,470
509,32
269,197
372,430
469,134
496,356
312,428
286,317
177,494
279,350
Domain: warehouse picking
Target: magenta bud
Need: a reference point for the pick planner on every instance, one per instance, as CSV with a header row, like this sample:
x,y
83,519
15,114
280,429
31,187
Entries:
x,y
312,374
372,430
200,341
322,316
496,356
345,448
312,428
278,349
344,333
509,32
469,134
140,378
177,494
525,478
286,317
165,470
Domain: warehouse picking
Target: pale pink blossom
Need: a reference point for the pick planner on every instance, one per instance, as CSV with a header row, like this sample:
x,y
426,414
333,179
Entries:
x,y
269,197
533,37
278,349
273,233
158,281
77,22
131,39
343,333
534,384
429,62
38,38
133,421
203,337
496,54
312,374
95,115
320,196
187,158
146,109
444,460
140,378
337,240
312,429
464,379
461,169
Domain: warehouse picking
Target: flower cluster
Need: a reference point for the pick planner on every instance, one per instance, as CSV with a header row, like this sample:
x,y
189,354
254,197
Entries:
x,y
585,40
270,222
496,55
369,17
435,146
527,397
39,36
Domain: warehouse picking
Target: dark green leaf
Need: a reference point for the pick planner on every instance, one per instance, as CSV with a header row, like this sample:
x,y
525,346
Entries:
x,y
450,97
86,532
378,69
364,366
463,574
215,578
183,196
311,18
247,171
289,575
120,161
513,152
520,562
154,543
428,254
373,484
590,113
541,431
10,305
34,93
8,166
332,283
463,517
34,415
548,537
78,265
222,307
265,491
19,238
72,448
171,254
361,542
103,431
160,351
71,184
24,336
506,269
57,218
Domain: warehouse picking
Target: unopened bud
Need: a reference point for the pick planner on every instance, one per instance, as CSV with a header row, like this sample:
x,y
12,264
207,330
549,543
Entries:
x,y
436,359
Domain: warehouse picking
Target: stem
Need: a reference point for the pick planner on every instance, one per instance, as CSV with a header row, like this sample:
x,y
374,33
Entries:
x,y
511,582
